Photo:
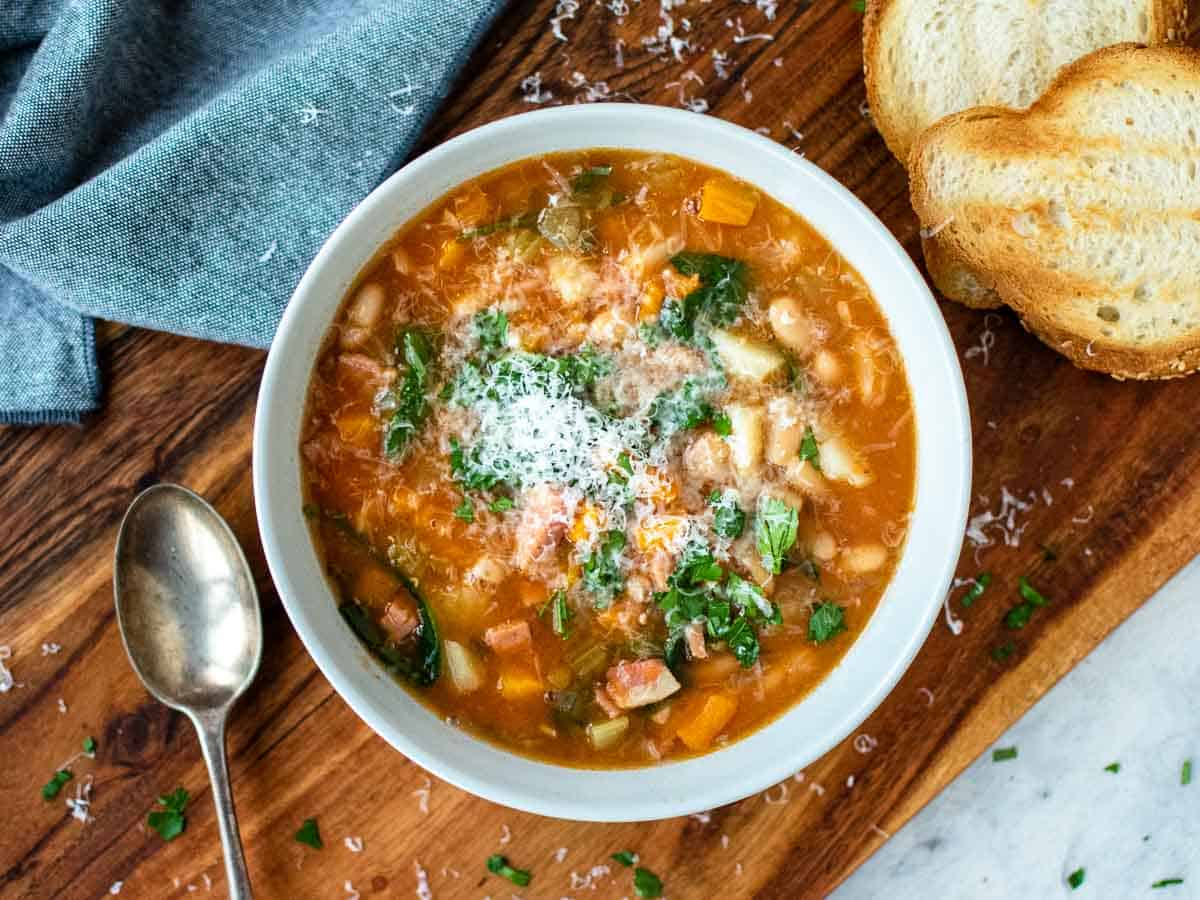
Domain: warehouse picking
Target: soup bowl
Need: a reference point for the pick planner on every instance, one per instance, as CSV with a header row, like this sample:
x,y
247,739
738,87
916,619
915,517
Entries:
x,y
877,659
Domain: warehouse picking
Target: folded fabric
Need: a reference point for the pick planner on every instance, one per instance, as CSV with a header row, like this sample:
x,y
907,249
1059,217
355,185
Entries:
x,y
177,165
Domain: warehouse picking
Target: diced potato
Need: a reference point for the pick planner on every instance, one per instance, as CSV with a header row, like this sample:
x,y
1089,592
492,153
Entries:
x,y
367,305
841,462
573,278
701,728
746,438
453,252
727,202
823,546
785,430
606,734
466,671
863,559
519,683
802,475
746,357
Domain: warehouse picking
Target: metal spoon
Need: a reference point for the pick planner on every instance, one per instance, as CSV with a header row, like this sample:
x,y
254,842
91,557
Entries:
x,y
189,616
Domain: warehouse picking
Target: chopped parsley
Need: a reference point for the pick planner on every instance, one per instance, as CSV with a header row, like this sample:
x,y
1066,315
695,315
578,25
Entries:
x,y
718,300
775,532
498,865
89,745
810,450
501,504
728,519
491,328
510,223
1167,882
620,475
1113,767
684,407
1029,593
170,821
561,614
646,883
310,834
1018,617
51,788
1004,651
465,510
1075,879
602,575
981,583
722,424
627,858
589,179
1003,754
826,622
1185,774
409,401
859,6
467,469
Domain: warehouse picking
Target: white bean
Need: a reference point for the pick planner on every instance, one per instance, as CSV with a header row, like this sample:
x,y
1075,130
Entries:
x,y
746,439
367,306
865,558
823,547
791,325
827,367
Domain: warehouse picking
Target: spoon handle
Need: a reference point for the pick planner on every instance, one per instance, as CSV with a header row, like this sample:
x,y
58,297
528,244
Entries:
x,y
211,730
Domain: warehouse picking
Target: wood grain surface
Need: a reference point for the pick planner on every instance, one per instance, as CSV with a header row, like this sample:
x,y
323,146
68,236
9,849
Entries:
x,y
1104,473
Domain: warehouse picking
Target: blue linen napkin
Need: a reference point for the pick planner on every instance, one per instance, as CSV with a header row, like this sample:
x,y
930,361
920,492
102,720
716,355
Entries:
x,y
176,165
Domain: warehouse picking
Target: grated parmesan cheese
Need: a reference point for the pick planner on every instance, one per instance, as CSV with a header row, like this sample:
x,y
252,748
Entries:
x,y
6,677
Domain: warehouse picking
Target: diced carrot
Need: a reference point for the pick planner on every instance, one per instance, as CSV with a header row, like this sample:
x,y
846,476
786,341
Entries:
x,y
472,207
357,428
703,725
657,487
588,521
727,202
518,683
651,301
659,531
453,252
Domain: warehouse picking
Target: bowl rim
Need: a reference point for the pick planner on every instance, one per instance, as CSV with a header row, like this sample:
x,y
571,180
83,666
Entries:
x,y
671,788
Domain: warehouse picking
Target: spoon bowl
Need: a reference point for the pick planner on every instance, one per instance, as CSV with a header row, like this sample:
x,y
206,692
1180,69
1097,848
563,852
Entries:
x,y
189,617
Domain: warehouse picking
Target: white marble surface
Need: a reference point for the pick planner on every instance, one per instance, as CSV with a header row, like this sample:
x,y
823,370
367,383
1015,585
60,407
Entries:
x,y
1016,829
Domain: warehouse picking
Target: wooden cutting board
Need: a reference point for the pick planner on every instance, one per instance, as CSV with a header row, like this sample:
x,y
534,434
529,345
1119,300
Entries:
x,y
1105,474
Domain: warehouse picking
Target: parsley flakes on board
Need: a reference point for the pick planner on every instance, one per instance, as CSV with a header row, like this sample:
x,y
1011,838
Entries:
x,y
498,865
310,834
170,821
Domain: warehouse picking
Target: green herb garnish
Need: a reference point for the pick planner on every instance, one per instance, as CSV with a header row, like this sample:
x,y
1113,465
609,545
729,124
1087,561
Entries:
x,y
1113,767
728,519
602,569
1018,617
722,424
170,821
411,403
491,328
627,858
1075,879
511,223
309,834
685,407
89,746
1004,651
561,614
501,504
51,788
859,6
826,621
981,583
775,532
718,300
1029,593
1002,754
646,883
1185,774
465,510
1167,882
810,450
498,865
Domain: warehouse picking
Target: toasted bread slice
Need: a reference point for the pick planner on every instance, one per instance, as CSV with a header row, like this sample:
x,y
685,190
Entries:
x,y
1084,210
925,59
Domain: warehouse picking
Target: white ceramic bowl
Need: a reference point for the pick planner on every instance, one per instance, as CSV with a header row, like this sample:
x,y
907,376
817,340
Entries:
x,y
876,660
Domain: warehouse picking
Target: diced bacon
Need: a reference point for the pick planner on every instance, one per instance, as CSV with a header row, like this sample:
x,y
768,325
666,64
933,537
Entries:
x,y
543,524
399,620
693,635
640,683
509,637
605,703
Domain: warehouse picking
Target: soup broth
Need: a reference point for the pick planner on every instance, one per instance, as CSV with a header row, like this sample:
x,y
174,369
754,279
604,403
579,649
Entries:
x,y
609,457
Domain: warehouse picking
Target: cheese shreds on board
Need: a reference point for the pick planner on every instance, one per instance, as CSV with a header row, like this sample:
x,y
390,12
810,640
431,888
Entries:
x,y
6,677
423,890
